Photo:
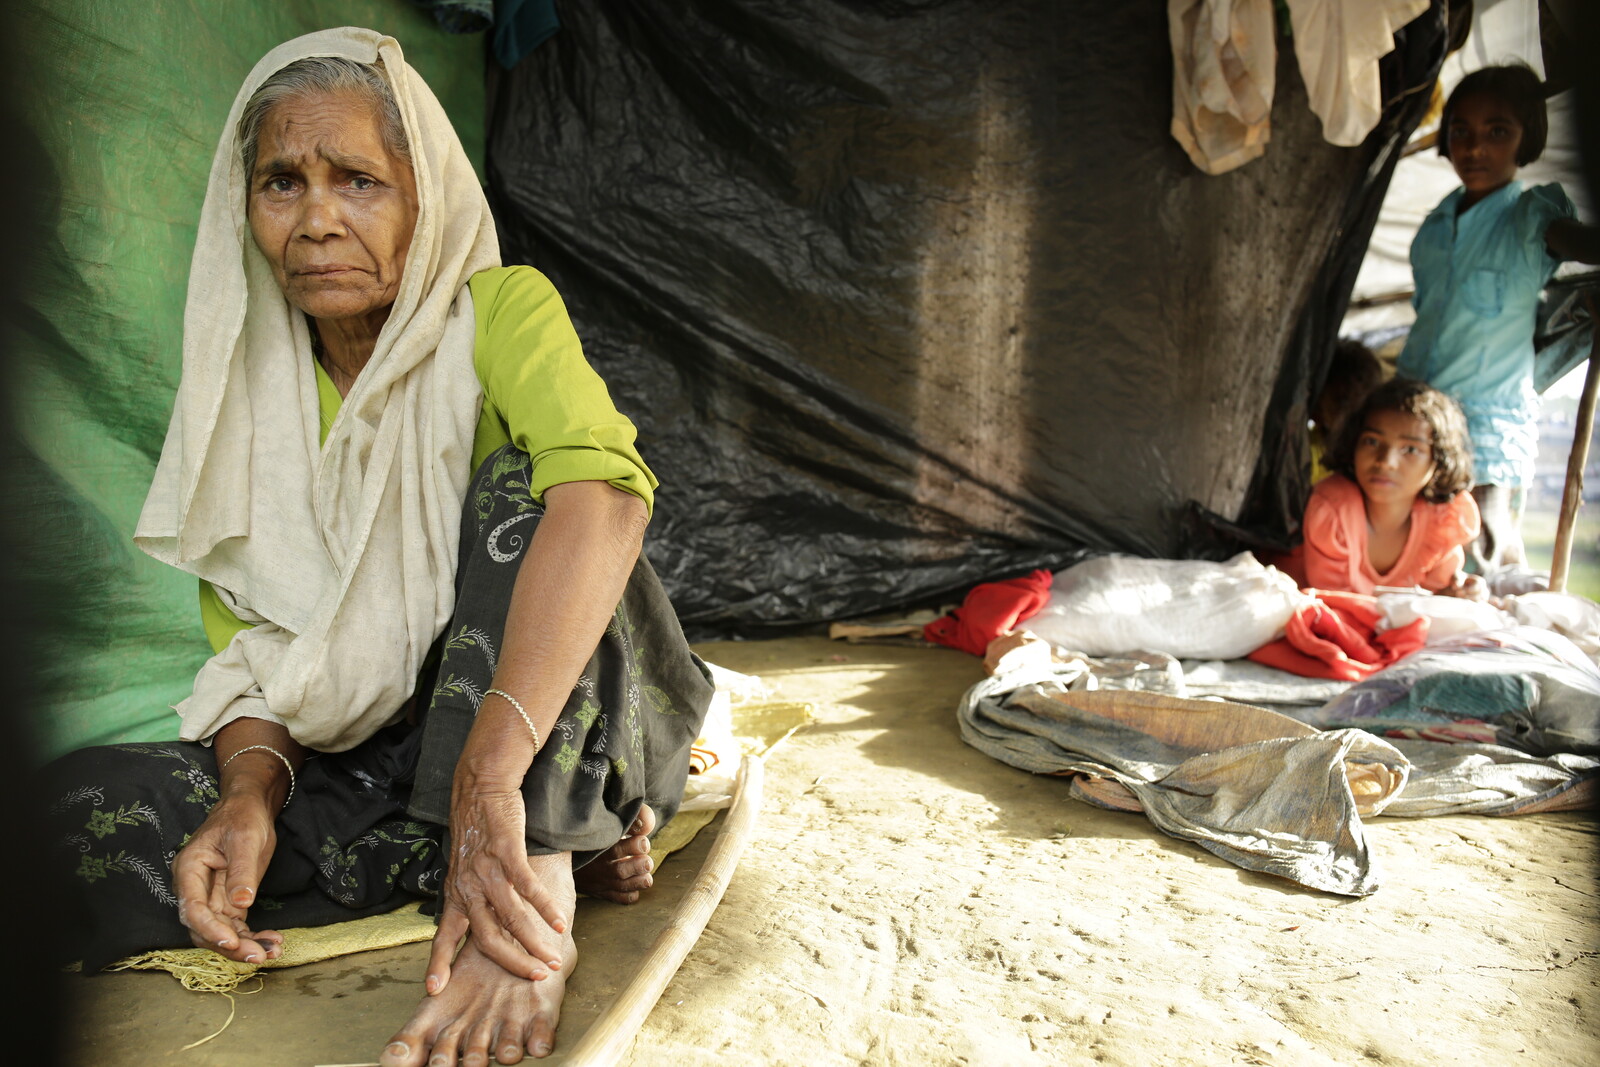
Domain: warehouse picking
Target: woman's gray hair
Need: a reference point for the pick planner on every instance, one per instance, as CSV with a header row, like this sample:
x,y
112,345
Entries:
x,y
322,76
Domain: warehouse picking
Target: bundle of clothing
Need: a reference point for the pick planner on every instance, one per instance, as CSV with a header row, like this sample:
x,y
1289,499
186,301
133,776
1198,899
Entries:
x,y
1114,604
1259,789
1203,610
1522,687
1225,61
1401,704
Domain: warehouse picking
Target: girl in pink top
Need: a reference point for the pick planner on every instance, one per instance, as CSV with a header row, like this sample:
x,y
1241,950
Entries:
x,y
1398,510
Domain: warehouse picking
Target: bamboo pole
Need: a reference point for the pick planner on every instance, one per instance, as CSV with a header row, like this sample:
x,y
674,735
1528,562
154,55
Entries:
x,y
1577,459
1421,144
611,1034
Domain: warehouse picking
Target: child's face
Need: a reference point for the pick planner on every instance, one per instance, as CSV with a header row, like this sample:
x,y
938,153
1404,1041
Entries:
x,y
1330,411
1394,456
1483,138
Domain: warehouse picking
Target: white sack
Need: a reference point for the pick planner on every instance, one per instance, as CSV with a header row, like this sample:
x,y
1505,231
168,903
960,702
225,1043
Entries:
x,y
1190,609
1447,615
1574,617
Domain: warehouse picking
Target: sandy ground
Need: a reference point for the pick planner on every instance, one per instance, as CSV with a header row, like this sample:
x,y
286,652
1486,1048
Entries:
x,y
910,901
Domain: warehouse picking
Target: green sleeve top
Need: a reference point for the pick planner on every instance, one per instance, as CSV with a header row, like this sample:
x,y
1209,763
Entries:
x,y
538,392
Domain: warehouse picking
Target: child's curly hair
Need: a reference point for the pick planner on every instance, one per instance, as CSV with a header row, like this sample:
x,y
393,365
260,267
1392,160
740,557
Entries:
x,y
1452,448
1521,90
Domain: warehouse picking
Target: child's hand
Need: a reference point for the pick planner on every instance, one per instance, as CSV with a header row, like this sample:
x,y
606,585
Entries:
x,y
1467,587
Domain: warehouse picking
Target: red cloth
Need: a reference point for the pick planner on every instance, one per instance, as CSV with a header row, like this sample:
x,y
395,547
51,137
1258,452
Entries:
x,y
1336,637
990,609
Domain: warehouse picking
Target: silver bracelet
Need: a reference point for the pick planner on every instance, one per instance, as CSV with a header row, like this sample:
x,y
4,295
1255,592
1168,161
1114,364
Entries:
x,y
275,752
514,702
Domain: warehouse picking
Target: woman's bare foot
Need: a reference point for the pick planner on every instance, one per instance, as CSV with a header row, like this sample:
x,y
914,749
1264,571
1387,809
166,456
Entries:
x,y
623,872
485,1014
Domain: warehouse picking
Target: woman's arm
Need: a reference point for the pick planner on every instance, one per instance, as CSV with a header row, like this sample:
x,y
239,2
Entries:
x,y
218,871
1571,239
566,592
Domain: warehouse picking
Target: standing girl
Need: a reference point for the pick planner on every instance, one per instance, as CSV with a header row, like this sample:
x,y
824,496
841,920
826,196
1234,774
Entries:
x,y
1479,261
1397,511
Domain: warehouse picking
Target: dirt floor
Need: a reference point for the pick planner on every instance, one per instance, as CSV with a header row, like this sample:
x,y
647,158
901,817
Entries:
x,y
910,901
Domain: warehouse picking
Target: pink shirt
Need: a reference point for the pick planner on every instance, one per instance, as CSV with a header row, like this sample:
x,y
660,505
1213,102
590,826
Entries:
x,y
1334,555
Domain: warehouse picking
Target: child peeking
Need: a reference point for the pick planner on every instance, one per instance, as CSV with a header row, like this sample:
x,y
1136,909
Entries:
x,y
1479,261
1397,511
1353,373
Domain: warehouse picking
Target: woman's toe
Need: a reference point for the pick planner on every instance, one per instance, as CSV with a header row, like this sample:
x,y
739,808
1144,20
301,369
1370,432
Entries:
x,y
509,1051
475,1052
446,1048
541,1039
633,867
404,1050
644,824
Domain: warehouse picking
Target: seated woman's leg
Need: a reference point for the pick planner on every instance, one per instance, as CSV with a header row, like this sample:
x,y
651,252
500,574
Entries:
x,y
119,814
622,741
619,746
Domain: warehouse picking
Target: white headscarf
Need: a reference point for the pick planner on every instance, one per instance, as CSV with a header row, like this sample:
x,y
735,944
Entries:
x,y
344,553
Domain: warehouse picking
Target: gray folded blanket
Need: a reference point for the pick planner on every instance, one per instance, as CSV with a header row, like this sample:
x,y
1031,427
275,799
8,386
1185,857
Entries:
x,y
1256,788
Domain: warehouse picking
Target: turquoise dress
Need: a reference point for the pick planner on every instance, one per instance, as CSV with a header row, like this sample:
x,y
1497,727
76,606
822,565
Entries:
x,y
1478,276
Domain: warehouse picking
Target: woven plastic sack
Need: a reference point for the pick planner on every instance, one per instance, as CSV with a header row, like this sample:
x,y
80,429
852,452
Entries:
x,y
1191,609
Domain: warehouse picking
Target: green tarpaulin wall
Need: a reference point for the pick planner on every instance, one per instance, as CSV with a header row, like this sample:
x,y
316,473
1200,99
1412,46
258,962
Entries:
x,y
125,102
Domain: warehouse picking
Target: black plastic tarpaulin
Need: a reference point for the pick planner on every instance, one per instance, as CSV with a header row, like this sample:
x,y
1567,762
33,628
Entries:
x,y
909,295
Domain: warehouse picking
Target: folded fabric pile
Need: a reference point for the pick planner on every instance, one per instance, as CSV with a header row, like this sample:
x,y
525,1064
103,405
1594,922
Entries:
x,y
1341,636
990,610
1530,688
1426,705
1258,789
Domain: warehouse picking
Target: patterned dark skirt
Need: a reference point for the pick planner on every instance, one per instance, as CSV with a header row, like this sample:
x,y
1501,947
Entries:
x,y
367,829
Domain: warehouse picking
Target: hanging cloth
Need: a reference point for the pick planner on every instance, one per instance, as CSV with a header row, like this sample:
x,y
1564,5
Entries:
x,y
1223,75
1338,44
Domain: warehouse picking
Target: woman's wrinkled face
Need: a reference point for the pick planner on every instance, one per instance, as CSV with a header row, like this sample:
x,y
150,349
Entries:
x,y
330,207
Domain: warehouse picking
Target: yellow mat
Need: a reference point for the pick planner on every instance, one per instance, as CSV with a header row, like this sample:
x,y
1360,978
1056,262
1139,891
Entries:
x,y
758,728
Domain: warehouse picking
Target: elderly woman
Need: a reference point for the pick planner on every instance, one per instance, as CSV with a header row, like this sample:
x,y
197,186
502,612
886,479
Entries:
x,y
426,681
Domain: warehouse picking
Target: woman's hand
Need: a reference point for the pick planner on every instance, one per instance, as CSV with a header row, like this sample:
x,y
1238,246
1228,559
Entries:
x,y
491,890
217,874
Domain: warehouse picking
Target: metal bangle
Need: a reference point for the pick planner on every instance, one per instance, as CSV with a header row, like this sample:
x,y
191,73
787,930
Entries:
x,y
515,703
275,752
